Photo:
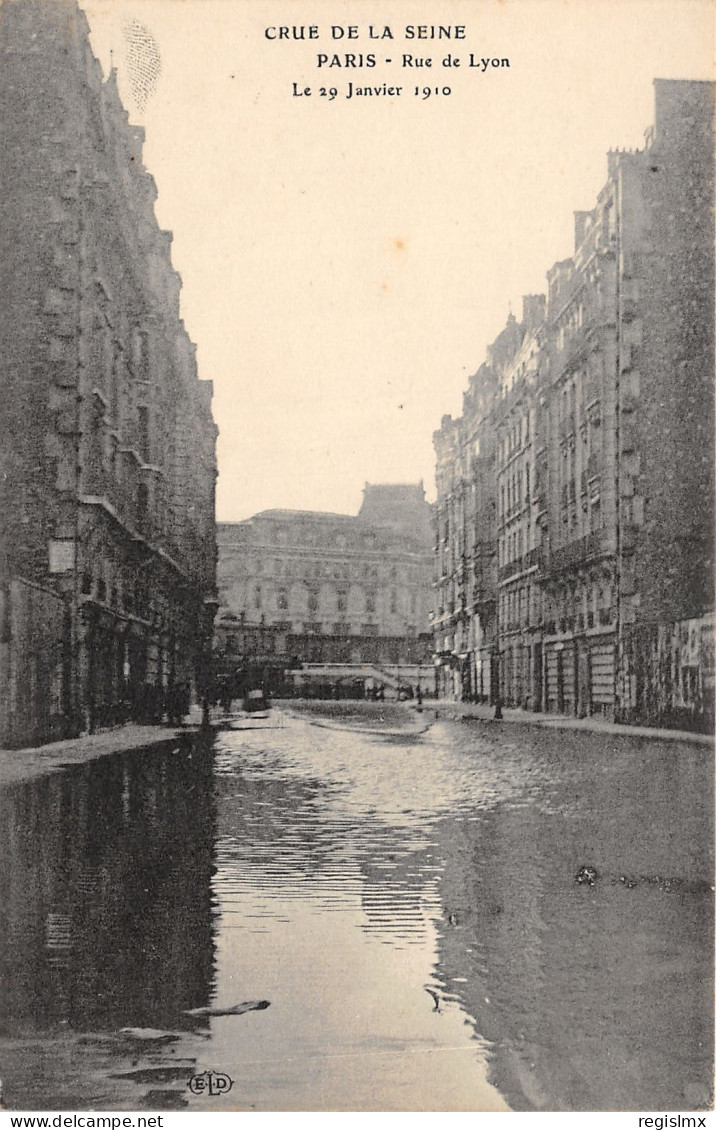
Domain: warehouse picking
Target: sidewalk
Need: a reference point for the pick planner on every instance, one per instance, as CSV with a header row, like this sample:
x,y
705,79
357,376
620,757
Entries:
x,y
26,764
471,711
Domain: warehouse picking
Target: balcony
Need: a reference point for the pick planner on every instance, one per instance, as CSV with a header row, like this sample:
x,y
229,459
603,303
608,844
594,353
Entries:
x,y
530,560
568,494
594,466
482,597
588,548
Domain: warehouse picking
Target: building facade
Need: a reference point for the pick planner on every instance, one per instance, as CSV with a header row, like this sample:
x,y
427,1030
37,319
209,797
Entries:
x,y
310,587
600,406
465,581
108,441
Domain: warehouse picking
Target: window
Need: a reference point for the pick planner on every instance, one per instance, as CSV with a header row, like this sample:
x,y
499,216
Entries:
x,y
143,430
139,354
142,502
114,462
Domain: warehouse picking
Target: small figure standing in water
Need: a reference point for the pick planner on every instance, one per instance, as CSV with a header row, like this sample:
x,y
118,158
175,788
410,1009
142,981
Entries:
x,y
174,704
227,696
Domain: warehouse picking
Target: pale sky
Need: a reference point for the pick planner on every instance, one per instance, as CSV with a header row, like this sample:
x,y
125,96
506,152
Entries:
x,y
346,262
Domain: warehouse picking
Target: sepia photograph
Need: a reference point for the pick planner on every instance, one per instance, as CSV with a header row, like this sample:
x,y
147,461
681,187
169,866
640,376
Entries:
x,y
357,672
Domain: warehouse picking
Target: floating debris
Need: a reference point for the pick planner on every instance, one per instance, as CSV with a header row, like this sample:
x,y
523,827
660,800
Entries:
x,y
162,1074
628,883
668,884
233,1010
588,875
150,1035
435,997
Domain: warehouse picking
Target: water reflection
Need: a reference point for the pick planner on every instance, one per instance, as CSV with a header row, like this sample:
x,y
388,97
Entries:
x,y
466,846
409,909
592,996
106,888
328,890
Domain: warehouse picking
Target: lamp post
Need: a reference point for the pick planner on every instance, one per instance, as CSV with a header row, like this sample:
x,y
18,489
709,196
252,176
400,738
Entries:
x,y
210,606
495,677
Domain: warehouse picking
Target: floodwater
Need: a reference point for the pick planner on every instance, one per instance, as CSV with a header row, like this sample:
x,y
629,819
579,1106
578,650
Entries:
x,y
480,917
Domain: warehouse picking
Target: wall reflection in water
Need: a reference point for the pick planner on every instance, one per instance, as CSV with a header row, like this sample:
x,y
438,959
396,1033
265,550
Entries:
x,y
594,996
105,885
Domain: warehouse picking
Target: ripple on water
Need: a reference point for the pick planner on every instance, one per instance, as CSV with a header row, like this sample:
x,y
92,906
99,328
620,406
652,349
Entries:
x,y
409,909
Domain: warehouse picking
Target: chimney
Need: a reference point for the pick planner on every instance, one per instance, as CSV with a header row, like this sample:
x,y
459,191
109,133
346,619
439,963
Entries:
x,y
613,157
533,310
581,222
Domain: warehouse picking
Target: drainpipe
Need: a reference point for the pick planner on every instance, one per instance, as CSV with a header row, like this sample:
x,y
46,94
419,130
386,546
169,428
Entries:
x,y
619,649
75,722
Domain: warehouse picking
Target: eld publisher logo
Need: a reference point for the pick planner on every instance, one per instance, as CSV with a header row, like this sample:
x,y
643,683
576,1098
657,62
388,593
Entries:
x,y
210,1083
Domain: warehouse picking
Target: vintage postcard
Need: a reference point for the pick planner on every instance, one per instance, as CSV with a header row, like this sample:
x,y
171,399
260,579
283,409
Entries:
x,y
356,651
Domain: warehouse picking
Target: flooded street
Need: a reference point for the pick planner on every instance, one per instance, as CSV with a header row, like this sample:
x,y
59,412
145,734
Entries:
x,y
480,917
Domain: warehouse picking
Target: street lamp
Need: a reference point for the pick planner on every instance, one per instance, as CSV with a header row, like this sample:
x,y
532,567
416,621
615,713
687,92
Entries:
x,y
210,608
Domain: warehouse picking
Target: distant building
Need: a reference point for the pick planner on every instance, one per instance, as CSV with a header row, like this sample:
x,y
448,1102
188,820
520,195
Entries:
x,y
329,588
601,407
107,444
465,583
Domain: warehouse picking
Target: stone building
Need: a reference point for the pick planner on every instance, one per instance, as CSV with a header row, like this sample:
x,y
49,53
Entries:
x,y
312,587
108,442
465,582
520,435
601,407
